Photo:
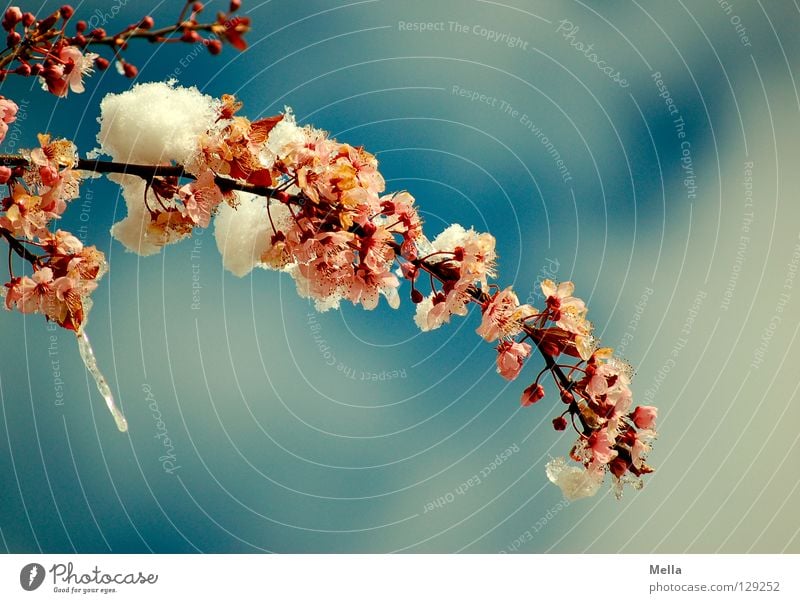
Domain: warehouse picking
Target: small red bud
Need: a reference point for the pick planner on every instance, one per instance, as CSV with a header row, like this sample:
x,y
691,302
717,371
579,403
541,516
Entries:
x,y
23,70
48,22
532,394
567,397
13,39
98,33
13,15
66,11
214,46
551,348
81,26
28,19
190,35
197,7
147,23
129,70
101,63
416,296
5,174
36,69
559,423
79,40
235,5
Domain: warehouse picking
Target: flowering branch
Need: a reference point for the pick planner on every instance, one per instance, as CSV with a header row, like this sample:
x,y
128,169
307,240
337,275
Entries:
x,y
44,49
288,198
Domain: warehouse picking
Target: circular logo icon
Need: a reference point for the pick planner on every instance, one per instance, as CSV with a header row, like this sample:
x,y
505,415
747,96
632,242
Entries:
x,y
31,576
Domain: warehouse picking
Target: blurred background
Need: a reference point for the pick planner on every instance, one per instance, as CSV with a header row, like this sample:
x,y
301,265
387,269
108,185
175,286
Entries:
x,y
645,150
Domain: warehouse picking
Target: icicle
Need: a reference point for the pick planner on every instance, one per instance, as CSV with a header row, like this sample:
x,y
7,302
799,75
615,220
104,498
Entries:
x,y
102,385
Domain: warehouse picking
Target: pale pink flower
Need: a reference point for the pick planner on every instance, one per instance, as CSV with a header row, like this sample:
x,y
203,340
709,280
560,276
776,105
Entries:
x,y
510,357
644,417
600,445
76,65
31,294
200,198
503,316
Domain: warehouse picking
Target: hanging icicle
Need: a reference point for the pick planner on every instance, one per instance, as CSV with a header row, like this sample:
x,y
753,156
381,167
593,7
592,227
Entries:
x,y
102,385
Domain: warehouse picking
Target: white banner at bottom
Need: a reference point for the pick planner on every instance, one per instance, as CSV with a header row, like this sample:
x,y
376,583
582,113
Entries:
x,y
399,578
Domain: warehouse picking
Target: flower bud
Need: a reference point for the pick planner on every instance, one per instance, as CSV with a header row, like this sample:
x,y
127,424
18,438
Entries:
x,y
147,23
567,397
12,16
559,423
532,394
129,70
28,19
5,174
101,63
13,38
190,35
214,46
47,22
235,5
24,70
416,296
79,40
66,11
36,69
197,7
98,33
81,26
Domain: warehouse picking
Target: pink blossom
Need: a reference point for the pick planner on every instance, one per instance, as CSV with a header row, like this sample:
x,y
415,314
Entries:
x,y
644,417
510,357
600,445
503,316
201,197
76,65
31,294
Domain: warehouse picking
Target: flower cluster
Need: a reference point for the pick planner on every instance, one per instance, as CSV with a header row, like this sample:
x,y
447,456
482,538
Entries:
x,y
42,47
325,221
287,197
64,272
322,217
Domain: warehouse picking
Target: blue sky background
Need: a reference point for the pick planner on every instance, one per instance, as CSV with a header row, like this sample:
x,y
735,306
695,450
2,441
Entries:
x,y
278,450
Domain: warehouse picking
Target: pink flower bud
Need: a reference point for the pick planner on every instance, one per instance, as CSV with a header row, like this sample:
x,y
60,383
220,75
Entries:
x,y
532,394
98,33
28,19
197,7
559,423
101,63
5,174
66,11
147,23
644,417
214,46
12,16
235,5
130,70
13,39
